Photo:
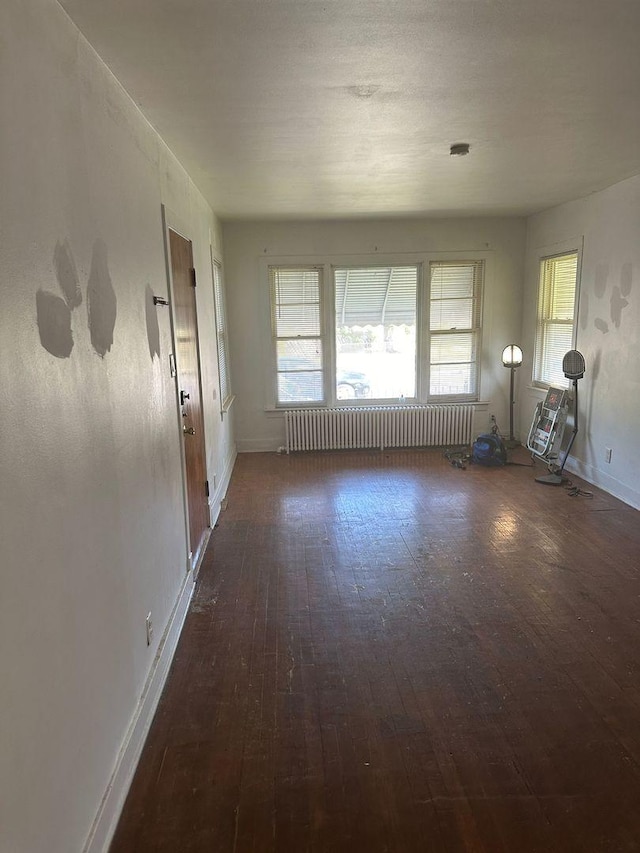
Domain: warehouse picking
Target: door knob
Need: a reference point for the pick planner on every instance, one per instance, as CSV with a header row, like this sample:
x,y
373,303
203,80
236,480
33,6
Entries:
x,y
188,430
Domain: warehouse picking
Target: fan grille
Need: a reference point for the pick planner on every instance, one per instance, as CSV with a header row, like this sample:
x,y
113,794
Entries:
x,y
573,364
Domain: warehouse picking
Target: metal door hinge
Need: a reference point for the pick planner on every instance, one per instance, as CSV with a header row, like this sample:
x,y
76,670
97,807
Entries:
x,y
193,276
206,488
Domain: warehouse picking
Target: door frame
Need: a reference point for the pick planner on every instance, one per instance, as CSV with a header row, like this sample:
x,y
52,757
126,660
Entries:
x,y
170,221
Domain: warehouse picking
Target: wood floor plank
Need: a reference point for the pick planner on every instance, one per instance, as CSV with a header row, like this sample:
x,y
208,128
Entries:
x,y
391,655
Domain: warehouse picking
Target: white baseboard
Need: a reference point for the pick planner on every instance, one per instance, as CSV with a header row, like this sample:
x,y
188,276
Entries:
x,y
222,485
259,445
104,825
603,481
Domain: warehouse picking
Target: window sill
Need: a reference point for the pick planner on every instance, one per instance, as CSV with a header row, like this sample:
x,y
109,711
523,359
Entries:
x,y
542,389
227,405
273,412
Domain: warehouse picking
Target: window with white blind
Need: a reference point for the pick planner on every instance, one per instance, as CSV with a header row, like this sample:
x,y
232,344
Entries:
x,y
296,319
555,328
455,310
221,337
356,334
375,332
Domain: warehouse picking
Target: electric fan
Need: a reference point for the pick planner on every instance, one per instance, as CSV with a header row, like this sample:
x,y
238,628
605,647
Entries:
x,y
573,368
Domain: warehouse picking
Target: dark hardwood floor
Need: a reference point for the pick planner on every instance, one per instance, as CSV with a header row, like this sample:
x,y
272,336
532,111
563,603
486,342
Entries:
x,y
387,653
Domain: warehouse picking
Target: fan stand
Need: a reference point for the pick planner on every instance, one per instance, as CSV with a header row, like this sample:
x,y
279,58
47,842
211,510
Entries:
x,y
552,479
555,477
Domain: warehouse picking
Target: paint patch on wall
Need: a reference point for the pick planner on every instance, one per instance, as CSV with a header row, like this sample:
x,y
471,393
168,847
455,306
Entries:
x,y
102,305
617,300
602,276
617,303
54,324
67,274
153,330
584,310
626,279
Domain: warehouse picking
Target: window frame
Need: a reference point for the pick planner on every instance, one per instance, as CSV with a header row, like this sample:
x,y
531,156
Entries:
x,y
476,330
222,341
332,375
537,380
321,336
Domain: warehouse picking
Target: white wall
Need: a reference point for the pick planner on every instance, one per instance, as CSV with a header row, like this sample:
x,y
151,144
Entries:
x,y
92,531
249,246
608,332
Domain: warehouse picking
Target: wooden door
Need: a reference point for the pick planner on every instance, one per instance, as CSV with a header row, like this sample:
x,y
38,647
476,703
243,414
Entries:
x,y
189,389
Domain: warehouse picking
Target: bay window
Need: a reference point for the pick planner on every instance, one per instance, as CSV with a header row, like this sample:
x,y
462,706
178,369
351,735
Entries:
x,y
348,334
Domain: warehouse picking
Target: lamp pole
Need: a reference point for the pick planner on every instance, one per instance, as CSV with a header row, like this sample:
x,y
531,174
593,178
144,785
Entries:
x,y
512,402
512,358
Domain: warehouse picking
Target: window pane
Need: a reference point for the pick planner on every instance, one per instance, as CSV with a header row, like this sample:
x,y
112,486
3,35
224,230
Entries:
x,y
300,387
452,348
299,365
559,287
295,296
375,332
562,308
450,379
301,319
450,280
296,285
556,341
303,354
451,314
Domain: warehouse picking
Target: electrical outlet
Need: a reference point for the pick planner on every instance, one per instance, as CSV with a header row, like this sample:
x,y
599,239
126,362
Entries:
x,y
607,454
149,629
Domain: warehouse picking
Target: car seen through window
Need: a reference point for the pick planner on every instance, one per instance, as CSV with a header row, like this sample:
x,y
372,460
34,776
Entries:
x,y
297,380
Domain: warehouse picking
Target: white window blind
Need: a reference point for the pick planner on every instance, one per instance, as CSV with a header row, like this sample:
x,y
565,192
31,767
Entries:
x,y
556,317
297,332
221,336
455,303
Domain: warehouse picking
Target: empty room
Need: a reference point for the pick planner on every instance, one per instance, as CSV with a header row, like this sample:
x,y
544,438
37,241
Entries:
x,y
319,477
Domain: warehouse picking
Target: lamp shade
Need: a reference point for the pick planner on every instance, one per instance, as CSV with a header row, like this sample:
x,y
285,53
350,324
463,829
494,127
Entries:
x,y
512,356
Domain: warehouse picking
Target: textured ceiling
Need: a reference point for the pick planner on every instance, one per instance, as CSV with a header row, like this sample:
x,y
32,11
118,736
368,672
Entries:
x,y
347,108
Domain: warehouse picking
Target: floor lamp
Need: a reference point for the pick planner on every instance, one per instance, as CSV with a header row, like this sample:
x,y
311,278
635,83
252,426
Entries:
x,y
512,358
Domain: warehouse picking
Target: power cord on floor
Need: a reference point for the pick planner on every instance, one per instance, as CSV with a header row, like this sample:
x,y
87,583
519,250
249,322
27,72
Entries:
x,y
458,458
575,492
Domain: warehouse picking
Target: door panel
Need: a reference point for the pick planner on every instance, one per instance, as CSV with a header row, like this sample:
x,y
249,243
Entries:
x,y
189,387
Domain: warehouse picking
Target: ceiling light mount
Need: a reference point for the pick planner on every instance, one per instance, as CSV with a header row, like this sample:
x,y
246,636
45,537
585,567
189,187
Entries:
x,y
363,91
459,149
